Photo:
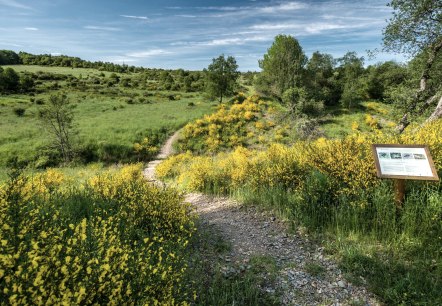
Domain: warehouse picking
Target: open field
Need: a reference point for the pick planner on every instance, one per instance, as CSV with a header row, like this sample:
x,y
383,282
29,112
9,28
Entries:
x,y
98,120
76,72
109,119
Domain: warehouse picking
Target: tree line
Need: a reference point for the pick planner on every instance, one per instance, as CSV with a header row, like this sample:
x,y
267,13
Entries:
x,y
309,84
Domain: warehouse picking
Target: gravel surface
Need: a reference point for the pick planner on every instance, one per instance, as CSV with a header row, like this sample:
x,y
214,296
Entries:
x,y
304,276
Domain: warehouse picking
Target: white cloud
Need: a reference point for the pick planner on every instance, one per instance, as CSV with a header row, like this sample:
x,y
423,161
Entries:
x,y
317,28
231,41
283,7
306,28
274,26
100,28
135,17
10,44
149,53
31,29
224,42
221,8
14,4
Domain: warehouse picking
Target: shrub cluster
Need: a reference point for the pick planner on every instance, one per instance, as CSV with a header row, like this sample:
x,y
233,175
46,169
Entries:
x,y
226,128
348,163
115,240
330,186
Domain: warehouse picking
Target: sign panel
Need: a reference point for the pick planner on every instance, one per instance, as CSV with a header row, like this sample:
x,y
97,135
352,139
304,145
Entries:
x,y
404,162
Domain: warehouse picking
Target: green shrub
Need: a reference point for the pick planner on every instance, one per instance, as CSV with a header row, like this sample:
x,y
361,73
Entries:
x,y
19,111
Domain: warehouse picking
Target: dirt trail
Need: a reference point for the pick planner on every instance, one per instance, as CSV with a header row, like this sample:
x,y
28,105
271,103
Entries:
x,y
166,150
305,276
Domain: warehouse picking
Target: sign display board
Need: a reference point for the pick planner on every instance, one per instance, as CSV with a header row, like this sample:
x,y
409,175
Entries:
x,y
404,162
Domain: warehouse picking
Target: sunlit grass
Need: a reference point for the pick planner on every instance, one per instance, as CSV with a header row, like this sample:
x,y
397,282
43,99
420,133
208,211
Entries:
x,y
97,118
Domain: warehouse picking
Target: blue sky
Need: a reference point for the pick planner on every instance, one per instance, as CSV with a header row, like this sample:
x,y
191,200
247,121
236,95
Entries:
x,y
188,34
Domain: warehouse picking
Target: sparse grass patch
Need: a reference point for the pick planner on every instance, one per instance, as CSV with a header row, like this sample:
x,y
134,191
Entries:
x,y
339,122
216,282
314,269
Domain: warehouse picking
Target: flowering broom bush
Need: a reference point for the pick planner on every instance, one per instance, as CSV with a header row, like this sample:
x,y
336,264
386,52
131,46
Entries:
x,y
226,128
347,162
116,240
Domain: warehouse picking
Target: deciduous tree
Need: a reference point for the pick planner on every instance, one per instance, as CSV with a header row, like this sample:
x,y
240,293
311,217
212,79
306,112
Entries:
x,y
416,28
57,116
221,76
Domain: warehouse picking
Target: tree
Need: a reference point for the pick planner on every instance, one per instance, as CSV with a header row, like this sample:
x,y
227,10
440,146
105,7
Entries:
x,y
8,57
350,71
383,77
10,80
321,83
221,77
282,66
57,116
416,28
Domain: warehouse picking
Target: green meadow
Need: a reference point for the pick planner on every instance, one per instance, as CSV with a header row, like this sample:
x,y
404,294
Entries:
x,y
109,117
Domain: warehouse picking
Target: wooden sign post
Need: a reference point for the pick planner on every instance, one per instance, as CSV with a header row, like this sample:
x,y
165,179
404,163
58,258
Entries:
x,y
403,162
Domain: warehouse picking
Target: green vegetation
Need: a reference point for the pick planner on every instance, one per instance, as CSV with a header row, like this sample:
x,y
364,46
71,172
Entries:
x,y
110,119
114,239
415,29
91,232
76,72
222,77
329,186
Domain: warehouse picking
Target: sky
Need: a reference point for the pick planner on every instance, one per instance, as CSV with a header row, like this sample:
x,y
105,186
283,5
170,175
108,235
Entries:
x,y
188,34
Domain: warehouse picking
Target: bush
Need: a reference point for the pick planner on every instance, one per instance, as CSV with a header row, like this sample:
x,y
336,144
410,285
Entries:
x,y
114,240
224,129
19,111
331,186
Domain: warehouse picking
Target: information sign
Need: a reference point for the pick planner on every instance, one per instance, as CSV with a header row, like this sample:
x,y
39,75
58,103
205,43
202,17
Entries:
x,y
404,162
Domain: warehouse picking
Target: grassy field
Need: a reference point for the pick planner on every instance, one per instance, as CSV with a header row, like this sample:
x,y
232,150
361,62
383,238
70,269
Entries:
x,y
103,116
58,70
339,121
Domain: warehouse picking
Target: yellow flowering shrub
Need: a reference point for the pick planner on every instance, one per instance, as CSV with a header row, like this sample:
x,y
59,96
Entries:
x,y
350,163
371,121
429,134
347,162
145,149
278,166
117,240
376,107
226,128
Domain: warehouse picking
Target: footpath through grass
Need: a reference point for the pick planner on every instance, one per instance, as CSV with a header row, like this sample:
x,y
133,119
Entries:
x,y
330,188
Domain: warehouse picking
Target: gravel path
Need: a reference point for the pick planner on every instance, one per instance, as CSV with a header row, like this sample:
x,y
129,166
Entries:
x,y
305,276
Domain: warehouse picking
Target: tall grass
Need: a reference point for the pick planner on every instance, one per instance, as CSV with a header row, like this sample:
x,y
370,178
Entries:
x,y
398,254
331,190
